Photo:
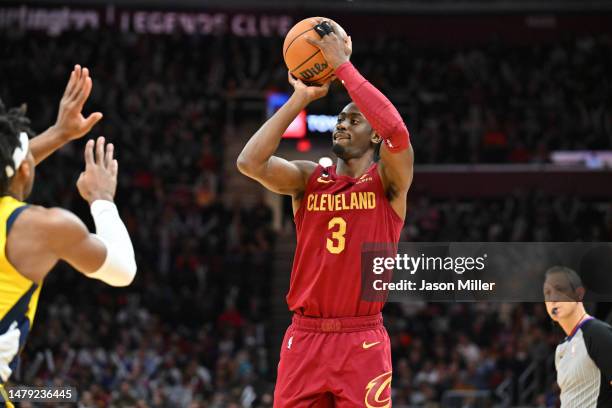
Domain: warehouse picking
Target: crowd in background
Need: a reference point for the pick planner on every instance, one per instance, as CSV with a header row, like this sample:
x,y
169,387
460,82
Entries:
x,y
441,347
494,103
522,216
193,329
498,103
196,334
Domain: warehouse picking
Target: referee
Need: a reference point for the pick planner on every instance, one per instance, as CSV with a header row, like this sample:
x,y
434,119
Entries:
x,y
583,360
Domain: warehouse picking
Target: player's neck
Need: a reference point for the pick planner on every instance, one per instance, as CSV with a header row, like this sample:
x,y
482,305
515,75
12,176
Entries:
x,y
16,193
354,167
570,322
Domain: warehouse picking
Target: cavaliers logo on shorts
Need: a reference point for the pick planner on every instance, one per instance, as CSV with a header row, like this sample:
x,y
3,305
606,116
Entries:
x,y
376,397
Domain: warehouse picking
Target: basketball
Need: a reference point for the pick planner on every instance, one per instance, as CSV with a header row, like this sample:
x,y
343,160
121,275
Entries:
x,y
304,60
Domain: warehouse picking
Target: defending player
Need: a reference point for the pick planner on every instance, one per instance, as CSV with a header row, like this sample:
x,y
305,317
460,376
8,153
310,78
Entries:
x,y
336,352
33,238
583,359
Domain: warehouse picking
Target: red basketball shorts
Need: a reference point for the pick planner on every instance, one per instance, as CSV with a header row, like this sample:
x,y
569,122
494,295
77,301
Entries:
x,y
343,362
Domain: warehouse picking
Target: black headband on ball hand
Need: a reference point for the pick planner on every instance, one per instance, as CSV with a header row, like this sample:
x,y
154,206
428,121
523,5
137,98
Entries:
x,y
324,28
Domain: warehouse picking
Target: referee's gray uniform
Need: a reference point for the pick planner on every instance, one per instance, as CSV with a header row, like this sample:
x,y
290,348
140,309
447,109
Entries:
x,y
584,366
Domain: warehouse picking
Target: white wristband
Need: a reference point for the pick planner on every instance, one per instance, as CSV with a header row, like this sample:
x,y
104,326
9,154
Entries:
x,y
119,267
100,205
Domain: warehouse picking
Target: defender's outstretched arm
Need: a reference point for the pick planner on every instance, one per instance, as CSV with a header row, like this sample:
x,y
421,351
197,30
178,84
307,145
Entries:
x,y
70,123
56,234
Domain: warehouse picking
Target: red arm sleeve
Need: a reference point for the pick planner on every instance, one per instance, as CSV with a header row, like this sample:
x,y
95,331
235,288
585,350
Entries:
x,y
376,108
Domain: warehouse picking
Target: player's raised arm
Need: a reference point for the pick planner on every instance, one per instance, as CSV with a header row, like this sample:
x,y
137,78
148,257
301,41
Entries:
x,y
396,155
70,123
257,159
107,255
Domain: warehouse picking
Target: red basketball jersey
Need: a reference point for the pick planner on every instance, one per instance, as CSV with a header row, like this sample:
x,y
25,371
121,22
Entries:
x,y
336,216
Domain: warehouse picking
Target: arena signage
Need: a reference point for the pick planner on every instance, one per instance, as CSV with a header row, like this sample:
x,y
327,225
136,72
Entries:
x,y
56,20
322,123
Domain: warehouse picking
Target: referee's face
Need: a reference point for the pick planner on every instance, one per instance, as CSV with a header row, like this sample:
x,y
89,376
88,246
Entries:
x,y
559,295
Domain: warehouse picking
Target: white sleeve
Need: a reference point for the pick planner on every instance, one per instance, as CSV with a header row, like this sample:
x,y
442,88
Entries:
x,y
119,267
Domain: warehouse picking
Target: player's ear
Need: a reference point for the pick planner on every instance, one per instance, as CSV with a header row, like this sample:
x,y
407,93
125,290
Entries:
x,y
375,138
25,170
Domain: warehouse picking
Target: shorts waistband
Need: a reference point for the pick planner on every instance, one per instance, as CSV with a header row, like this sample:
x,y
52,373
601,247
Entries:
x,y
337,324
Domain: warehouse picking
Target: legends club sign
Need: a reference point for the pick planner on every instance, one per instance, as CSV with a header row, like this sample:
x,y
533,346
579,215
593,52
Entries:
x,y
56,20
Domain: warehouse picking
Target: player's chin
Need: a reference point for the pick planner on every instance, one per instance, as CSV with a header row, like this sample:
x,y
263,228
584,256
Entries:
x,y
340,150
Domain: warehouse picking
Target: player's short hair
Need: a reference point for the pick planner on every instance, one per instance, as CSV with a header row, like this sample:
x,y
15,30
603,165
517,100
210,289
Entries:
x,y
572,276
12,122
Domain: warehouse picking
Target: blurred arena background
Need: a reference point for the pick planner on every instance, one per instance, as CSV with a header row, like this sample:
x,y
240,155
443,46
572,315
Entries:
x,y
510,112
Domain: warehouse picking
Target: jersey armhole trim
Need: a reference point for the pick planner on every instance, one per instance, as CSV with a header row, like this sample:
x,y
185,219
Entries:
x,y
13,217
395,215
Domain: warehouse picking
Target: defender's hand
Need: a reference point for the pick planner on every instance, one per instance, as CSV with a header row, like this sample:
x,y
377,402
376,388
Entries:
x,y
99,180
70,123
308,93
336,46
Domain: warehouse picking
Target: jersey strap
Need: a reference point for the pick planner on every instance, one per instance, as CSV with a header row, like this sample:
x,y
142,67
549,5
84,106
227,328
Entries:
x,y
18,295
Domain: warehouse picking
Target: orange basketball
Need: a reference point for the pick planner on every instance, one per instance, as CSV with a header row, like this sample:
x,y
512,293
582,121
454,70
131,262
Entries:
x,y
305,61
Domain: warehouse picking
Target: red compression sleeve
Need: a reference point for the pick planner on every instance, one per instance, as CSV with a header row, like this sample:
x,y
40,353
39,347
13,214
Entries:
x,y
376,108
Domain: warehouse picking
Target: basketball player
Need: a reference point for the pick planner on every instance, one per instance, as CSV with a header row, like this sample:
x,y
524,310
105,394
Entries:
x,y
584,359
33,238
336,351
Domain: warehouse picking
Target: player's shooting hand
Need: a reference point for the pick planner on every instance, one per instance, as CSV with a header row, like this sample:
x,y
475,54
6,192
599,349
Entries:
x,y
99,180
309,93
70,123
336,46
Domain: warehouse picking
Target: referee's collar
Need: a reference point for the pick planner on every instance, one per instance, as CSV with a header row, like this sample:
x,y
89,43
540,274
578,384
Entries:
x,y
578,326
